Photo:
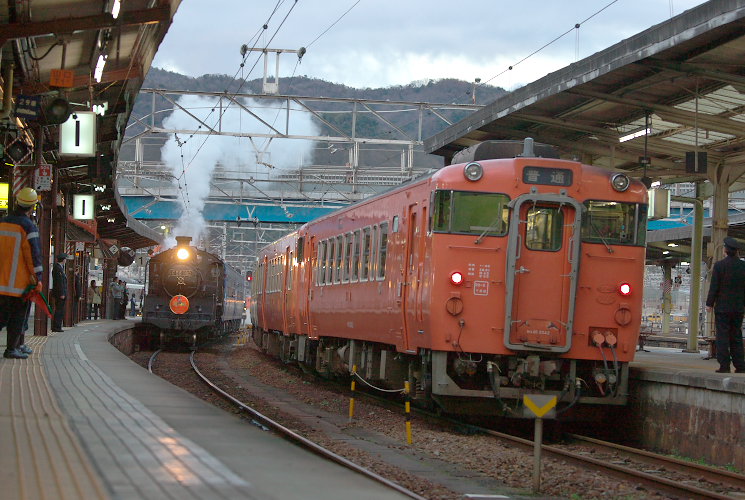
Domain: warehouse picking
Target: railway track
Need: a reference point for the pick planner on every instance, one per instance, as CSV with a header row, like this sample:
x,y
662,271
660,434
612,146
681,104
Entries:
x,y
657,473
712,477
293,436
661,473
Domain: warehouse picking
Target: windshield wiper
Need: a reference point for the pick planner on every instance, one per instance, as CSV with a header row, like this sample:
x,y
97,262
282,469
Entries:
x,y
597,231
491,227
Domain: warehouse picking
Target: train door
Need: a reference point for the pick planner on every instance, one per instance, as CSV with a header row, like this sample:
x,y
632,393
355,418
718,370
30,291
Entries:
x,y
542,267
410,289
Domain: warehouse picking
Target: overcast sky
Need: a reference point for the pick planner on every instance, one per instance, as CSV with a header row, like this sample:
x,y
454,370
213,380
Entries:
x,y
381,43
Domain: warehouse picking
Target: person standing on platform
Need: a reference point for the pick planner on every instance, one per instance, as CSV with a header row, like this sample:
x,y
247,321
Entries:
x,y
116,297
94,301
20,267
132,305
59,291
727,299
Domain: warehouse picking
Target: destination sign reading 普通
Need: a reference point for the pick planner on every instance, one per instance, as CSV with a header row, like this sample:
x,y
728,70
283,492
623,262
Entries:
x,y
547,176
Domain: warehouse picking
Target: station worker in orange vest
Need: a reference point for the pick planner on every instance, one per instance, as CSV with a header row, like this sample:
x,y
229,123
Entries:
x,y
20,266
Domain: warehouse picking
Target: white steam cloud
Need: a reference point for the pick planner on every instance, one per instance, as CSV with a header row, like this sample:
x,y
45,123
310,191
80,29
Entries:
x,y
192,160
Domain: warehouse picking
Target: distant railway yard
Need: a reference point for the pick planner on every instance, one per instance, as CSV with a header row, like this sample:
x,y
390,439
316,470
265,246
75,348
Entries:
x,y
447,459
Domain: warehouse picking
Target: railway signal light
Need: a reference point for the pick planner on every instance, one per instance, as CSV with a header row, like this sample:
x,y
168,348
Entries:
x,y
456,278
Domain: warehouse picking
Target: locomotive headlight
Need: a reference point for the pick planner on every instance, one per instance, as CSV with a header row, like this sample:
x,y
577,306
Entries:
x,y
620,182
473,171
182,253
624,289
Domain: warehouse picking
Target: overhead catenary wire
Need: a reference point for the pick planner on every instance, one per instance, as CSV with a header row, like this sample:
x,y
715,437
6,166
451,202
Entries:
x,y
243,82
334,23
575,27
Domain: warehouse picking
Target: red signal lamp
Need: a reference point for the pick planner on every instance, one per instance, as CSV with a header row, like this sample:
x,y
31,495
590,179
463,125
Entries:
x,y
456,278
624,289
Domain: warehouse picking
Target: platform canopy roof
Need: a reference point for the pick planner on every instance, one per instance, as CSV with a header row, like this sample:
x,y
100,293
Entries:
x,y
683,79
686,76
39,36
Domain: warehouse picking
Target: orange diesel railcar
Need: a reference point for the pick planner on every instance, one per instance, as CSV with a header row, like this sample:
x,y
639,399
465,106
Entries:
x,y
485,281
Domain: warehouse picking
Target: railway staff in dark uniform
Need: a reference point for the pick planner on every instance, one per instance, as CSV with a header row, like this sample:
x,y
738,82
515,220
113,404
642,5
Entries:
x,y
727,298
59,291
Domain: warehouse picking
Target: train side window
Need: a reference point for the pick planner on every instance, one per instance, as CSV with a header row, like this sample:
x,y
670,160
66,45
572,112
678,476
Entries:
x,y
356,256
269,277
395,224
441,211
322,262
274,274
374,252
277,273
300,250
348,244
289,271
339,254
544,229
331,253
382,249
366,249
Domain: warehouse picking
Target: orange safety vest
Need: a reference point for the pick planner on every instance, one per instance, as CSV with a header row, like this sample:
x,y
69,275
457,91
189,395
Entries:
x,y
16,264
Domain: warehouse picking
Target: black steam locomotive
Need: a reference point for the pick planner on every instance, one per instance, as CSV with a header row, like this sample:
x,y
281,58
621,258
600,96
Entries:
x,y
192,295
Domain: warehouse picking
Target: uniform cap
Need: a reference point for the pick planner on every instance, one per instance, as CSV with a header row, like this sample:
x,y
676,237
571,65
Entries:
x,y
61,256
732,243
27,197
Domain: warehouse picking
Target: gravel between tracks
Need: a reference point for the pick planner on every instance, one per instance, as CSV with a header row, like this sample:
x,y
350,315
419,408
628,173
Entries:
x,y
231,368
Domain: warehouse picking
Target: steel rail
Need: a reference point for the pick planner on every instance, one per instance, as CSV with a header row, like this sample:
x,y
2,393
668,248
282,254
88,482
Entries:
x,y
152,360
709,473
626,473
659,484
293,436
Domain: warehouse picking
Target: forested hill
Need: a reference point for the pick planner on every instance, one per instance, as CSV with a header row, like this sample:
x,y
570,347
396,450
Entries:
x,y
446,91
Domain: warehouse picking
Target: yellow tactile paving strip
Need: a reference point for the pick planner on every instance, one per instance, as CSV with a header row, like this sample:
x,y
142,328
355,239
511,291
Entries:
x,y
40,456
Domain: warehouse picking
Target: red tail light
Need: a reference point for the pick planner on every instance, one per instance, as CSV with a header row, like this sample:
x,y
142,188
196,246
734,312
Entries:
x,y
456,278
624,289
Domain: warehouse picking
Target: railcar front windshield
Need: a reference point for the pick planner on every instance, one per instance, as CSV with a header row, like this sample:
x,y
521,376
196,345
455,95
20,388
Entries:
x,y
616,223
466,212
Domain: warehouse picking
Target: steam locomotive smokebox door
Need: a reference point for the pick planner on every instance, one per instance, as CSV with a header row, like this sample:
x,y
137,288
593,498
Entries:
x,y
181,279
543,253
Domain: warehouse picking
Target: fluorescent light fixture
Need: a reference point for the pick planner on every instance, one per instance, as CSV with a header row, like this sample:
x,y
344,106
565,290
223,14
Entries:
x,y
115,8
655,184
634,135
98,72
666,252
685,263
672,245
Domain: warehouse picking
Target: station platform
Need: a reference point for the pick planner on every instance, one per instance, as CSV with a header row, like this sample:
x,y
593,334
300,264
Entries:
x,y
668,363
79,420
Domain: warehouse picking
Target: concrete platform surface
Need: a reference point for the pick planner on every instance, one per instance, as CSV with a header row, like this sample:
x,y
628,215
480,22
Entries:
x,y
673,366
89,423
